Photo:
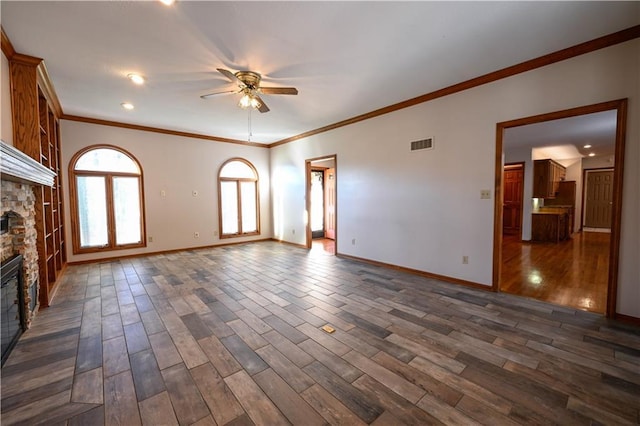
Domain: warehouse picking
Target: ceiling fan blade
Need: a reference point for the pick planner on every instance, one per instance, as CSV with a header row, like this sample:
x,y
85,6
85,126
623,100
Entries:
x,y
263,107
209,95
279,90
231,76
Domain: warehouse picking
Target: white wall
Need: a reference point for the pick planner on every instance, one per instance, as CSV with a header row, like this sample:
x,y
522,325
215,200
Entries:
x,y
423,210
6,125
177,165
598,162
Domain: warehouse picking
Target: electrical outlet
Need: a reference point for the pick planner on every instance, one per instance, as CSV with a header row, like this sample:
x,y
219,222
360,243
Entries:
x,y
163,193
150,239
485,194
353,242
215,233
293,231
196,234
465,260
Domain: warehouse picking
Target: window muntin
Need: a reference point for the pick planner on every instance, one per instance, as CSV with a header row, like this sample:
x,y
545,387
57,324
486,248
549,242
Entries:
x,y
238,199
107,200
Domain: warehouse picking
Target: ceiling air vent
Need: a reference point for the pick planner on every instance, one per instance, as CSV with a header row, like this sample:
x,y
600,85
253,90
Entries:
x,y
422,145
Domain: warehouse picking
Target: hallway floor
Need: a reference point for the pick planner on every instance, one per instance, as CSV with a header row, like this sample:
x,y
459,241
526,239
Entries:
x,y
570,273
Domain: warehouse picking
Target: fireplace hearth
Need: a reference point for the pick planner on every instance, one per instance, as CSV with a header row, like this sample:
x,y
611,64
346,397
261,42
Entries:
x,y
12,315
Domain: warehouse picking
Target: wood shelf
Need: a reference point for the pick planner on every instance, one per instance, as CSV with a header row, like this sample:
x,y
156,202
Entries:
x,y
36,123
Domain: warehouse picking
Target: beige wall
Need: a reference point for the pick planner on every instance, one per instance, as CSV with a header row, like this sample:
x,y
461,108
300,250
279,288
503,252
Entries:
x,y
423,210
177,166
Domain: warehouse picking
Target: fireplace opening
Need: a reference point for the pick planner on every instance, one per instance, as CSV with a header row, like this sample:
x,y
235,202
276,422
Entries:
x,y
12,304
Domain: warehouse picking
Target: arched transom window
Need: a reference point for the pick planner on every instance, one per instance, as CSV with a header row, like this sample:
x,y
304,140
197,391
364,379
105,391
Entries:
x,y
238,199
106,199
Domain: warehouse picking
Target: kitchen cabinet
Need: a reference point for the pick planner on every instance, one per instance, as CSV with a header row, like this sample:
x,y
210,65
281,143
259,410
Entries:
x,y
565,198
550,225
547,175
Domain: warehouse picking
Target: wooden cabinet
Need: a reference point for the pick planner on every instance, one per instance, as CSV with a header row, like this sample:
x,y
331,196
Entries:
x,y
547,175
37,134
550,226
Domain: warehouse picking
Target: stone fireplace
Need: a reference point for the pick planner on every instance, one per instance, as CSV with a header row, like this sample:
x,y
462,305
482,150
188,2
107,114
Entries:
x,y
18,212
20,175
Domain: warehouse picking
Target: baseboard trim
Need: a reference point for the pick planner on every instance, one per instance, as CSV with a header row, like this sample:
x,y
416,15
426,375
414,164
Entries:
x,y
278,240
627,319
419,272
156,253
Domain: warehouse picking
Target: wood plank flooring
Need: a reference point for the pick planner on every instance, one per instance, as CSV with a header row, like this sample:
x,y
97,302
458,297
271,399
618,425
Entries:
x,y
570,273
231,335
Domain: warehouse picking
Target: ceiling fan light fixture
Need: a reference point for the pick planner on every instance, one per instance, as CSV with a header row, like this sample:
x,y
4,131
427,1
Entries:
x,y
245,101
136,78
248,100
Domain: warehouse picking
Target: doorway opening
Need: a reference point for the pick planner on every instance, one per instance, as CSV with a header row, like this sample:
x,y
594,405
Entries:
x,y
513,195
321,204
555,257
597,200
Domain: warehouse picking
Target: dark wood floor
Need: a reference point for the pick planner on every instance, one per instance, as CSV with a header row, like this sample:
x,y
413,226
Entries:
x,y
233,336
570,273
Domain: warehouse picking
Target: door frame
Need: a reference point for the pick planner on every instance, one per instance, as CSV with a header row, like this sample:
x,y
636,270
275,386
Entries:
x,y
307,197
522,167
324,207
620,106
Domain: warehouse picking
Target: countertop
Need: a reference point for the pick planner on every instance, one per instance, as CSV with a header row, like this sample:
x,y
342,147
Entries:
x,y
551,210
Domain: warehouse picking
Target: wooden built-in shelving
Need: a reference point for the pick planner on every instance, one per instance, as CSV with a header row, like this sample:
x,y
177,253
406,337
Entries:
x,y
37,134
50,228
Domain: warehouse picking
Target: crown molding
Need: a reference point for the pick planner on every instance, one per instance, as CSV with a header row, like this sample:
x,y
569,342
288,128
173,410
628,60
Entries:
x,y
7,47
46,85
159,130
551,58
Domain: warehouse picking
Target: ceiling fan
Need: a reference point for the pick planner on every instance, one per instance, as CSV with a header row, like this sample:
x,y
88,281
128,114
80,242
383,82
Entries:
x,y
249,85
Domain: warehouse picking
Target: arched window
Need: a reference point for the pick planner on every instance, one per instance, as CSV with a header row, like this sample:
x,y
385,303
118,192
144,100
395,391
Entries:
x,y
106,200
239,208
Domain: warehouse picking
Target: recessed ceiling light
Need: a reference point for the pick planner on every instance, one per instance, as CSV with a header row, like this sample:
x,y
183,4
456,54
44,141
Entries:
x,y
127,105
136,78
167,2
587,146
592,154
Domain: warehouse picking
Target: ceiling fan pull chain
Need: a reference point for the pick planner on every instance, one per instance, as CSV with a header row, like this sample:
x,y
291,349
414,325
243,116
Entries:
x,y
249,125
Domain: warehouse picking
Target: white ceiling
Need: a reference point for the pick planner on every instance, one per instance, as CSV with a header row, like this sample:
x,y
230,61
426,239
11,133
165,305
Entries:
x,y
564,139
346,58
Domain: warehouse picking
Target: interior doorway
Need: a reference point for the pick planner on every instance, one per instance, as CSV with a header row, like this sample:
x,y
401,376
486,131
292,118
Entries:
x,y
321,203
541,263
598,200
513,196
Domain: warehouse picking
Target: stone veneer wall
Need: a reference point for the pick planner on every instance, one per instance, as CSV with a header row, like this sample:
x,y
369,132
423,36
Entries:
x,y
18,200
